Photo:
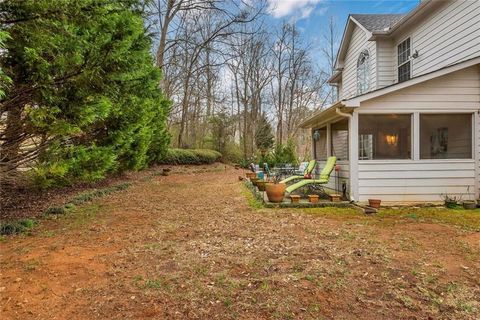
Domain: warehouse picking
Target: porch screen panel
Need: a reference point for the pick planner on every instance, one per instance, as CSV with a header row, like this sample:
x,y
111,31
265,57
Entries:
x,y
445,136
339,131
384,136
320,151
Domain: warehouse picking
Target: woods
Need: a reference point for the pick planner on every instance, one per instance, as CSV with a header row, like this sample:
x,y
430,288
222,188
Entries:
x,y
225,59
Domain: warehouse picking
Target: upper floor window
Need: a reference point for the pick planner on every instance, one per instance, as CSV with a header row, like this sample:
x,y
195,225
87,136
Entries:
x,y
404,64
363,72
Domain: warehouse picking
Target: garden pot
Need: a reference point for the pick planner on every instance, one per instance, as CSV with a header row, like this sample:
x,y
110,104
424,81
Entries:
x,y
374,203
251,175
261,185
336,198
275,191
295,198
469,204
313,198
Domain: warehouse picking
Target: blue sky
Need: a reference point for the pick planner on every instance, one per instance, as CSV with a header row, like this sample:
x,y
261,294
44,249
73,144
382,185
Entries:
x,y
312,15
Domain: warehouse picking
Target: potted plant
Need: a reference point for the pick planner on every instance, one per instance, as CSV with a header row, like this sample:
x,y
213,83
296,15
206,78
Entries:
x,y
261,185
275,190
450,201
250,174
469,204
374,203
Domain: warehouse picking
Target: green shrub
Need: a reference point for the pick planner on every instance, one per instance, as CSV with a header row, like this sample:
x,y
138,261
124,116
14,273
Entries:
x,y
12,227
190,156
232,153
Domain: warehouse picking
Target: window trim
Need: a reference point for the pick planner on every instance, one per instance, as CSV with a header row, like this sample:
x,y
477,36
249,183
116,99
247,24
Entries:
x,y
363,53
408,60
472,133
413,139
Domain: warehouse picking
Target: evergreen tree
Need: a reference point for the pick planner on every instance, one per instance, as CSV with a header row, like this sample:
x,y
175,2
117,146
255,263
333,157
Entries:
x,y
84,99
264,138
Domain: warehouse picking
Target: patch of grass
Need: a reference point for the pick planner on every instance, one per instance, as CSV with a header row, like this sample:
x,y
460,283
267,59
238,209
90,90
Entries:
x,y
466,219
84,215
20,226
91,195
252,201
17,226
334,212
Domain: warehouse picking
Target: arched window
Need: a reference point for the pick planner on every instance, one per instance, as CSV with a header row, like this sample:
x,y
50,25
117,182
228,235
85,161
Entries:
x,y
363,72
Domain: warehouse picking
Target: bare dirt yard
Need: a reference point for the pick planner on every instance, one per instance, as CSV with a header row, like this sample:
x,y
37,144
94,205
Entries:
x,y
195,245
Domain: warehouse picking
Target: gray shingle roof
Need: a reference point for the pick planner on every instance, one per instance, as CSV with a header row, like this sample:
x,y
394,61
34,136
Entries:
x,y
377,22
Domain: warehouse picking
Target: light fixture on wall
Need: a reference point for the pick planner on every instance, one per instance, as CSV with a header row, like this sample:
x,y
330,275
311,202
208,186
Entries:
x,y
316,135
392,139
415,54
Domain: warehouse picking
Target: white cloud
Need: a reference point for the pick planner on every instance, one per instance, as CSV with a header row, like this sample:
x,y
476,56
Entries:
x,y
283,8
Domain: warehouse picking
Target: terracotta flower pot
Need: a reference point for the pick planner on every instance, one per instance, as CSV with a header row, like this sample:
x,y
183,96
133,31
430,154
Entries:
x,y
251,175
313,198
295,198
275,191
374,203
261,185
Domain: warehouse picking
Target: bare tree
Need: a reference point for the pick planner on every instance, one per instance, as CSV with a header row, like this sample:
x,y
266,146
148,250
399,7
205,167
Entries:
x,y
329,50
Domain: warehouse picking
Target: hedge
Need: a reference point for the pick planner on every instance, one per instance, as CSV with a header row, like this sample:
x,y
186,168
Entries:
x,y
190,156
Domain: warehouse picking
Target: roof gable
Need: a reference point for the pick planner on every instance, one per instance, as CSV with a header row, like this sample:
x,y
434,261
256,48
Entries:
x,y
377,22
368,23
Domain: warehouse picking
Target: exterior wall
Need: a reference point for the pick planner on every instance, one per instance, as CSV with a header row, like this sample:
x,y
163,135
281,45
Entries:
x,y
358,43
448,36
386,64
425,180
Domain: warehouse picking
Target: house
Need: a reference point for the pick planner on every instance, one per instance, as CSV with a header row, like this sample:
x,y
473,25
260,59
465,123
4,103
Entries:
x,y
406,127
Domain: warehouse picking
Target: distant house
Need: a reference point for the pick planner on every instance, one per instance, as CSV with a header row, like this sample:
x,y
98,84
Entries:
x,y
406,127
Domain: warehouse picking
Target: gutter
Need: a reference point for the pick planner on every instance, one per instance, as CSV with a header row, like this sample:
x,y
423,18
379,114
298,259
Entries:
x,y
343,114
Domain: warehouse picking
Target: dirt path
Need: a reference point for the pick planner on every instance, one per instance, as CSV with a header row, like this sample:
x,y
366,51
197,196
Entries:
x,y
188,246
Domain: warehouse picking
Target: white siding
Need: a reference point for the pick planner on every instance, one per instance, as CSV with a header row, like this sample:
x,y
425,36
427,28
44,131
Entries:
x,y
448,36
386,64
424,180
420,180
358,43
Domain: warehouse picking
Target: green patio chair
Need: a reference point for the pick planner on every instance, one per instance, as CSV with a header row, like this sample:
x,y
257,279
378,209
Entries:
x,y
308,171
317,183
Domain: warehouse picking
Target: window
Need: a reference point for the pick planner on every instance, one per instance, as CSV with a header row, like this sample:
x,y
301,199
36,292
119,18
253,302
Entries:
x,y
386,136
363,72
404,64
445,136
339,145
320,143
